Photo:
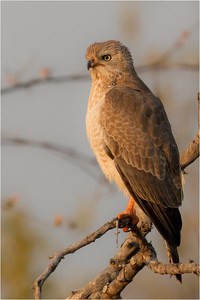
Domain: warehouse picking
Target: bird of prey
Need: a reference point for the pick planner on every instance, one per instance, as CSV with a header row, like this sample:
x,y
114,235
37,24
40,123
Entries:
x,y
132,139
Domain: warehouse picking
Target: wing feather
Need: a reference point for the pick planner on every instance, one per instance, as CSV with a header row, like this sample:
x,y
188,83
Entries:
x,y
144,142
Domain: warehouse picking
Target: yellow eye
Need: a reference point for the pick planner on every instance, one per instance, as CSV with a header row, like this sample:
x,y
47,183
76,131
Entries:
x,y
106,57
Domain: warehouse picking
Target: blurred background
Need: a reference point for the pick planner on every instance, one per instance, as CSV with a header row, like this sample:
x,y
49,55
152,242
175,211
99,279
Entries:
x,y
53,192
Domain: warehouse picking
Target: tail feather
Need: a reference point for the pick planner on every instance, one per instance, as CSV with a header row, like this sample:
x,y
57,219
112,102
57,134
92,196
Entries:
x,y
166,219
173,257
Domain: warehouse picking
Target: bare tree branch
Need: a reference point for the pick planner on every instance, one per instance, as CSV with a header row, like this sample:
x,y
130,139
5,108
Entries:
x,y
133,255
78,159
57,148
172,269
190,154
142,254
192,151
83,161
109,283
58,256
80,77
38,81
160,64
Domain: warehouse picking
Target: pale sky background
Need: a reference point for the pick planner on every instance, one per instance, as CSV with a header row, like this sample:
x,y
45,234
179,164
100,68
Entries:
x,y
56,35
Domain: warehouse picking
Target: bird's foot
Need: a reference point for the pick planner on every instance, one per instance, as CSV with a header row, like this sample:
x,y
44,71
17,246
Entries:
x,y
128,217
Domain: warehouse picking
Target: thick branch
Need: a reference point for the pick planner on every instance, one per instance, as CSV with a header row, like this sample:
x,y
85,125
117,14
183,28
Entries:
x,y
133,255
192,151
98,288
190,154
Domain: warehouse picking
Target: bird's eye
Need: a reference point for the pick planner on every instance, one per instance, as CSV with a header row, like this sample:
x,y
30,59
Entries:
x,y
106,57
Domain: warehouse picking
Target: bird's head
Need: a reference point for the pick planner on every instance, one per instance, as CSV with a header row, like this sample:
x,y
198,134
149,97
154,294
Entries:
x,y
108,59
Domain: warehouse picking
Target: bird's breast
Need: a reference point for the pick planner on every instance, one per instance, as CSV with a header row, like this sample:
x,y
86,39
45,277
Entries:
x,y
97,137
96,134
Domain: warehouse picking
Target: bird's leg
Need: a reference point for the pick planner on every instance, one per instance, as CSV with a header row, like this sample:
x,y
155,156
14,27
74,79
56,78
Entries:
x,y
128,216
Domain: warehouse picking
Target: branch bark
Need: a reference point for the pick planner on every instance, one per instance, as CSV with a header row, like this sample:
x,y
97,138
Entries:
x,y
134,254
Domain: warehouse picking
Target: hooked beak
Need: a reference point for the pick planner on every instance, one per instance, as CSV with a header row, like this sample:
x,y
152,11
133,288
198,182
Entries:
x,y
90,64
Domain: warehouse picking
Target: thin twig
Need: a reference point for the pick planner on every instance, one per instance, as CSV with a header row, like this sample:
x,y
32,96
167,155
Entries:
x,y
190,154
78,159
61,149
80,77
58,256
178,43
37,81
160,64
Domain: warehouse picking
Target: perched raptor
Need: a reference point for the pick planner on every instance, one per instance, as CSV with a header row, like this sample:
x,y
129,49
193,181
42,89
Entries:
x,y
131,136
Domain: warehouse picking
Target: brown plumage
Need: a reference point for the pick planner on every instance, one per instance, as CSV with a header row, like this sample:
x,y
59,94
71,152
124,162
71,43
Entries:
x,y
131,136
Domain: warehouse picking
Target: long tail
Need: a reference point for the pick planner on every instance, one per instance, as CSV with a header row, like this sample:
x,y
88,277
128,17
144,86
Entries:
x,y
173,256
